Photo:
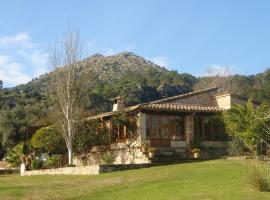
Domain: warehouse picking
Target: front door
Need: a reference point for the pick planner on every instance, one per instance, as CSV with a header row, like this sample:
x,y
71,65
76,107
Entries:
x,y
158,131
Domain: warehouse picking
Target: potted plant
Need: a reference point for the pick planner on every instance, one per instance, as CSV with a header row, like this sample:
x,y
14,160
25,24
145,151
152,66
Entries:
x,y
196,152
151,152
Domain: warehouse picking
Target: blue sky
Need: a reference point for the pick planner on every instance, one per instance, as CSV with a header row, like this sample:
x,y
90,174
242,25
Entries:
x,y
189,36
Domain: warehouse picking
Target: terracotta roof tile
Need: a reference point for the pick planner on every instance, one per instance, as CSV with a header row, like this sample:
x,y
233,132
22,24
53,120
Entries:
x,y
178,107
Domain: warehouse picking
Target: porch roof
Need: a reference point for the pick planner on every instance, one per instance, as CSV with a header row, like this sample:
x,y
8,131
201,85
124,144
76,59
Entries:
x,y
161,107
180,107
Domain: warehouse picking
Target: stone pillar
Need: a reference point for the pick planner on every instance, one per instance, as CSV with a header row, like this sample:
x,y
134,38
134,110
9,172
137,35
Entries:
x,y
189,124
141,128
22,170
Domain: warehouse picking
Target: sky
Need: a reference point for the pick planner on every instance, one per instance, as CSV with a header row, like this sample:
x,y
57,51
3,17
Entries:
x,y
190,36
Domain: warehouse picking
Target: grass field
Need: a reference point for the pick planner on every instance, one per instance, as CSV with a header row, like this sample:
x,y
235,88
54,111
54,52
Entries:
x,y
218,179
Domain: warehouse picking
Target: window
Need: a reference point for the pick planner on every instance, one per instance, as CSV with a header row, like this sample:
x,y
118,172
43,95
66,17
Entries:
x,y
210,128
165,127
180,128
155,127
219,131
208,123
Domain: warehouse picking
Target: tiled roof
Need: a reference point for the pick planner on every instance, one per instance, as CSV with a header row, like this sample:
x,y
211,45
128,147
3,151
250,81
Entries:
x,y
164,107
107,114
185,95
179,107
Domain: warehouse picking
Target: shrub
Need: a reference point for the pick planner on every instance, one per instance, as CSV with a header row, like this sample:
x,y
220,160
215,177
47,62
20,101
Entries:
x,y
236,147
37,164
14,155
71,165
259,177
108,158
49,140
53,161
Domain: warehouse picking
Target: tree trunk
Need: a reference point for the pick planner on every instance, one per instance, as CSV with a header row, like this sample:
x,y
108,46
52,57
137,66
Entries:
x,y
70,162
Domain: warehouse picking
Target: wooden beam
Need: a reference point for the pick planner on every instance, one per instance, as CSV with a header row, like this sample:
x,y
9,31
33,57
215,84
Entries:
x,y
203,127
118,133
125,132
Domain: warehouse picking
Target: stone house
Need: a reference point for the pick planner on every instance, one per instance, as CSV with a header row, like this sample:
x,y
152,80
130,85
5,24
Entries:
x,y
170,127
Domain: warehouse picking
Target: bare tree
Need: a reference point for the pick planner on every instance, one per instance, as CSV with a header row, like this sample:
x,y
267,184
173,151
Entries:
x,y
68,86
215,76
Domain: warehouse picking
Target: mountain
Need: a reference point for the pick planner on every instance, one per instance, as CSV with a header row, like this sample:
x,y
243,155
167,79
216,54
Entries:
x,y
126,74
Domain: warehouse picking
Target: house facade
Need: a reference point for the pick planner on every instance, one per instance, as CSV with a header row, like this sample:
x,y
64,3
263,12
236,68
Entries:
x,y
170,127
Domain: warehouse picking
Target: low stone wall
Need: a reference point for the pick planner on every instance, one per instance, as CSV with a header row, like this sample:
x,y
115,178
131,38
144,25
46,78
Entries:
x,y
85,170
9,171
120,153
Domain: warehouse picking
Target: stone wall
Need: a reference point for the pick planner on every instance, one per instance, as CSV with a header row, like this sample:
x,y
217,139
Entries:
x,y
224,101
205,99
122,153
141,127
227,100
85,170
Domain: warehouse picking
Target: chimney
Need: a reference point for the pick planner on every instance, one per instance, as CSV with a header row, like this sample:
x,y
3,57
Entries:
x,y
224,100
118,103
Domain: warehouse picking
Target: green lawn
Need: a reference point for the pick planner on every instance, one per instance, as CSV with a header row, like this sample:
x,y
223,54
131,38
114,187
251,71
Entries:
x,y
219,179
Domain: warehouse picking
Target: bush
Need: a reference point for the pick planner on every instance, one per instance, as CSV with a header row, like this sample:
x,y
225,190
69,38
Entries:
x,y
259,177
71,165
108,158
53,161
37,164
49,140
14,155
236,147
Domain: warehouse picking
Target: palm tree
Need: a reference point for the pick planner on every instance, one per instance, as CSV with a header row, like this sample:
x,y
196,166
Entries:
x,y
247,123
15,155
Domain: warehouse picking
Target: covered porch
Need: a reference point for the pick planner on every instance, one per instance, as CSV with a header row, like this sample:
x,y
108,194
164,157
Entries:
x,y
182,129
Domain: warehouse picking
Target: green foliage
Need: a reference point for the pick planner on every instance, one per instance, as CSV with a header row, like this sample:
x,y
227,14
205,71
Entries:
x,y
71,165
108,158
53,161
37,164
13,126
48,140
15,155
248,124
90,135
259,177
236,147
123,119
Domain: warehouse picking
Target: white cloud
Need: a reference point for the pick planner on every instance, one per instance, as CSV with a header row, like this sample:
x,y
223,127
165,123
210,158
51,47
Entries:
x,y
160,60
18,38
219,70
11,72
21,59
